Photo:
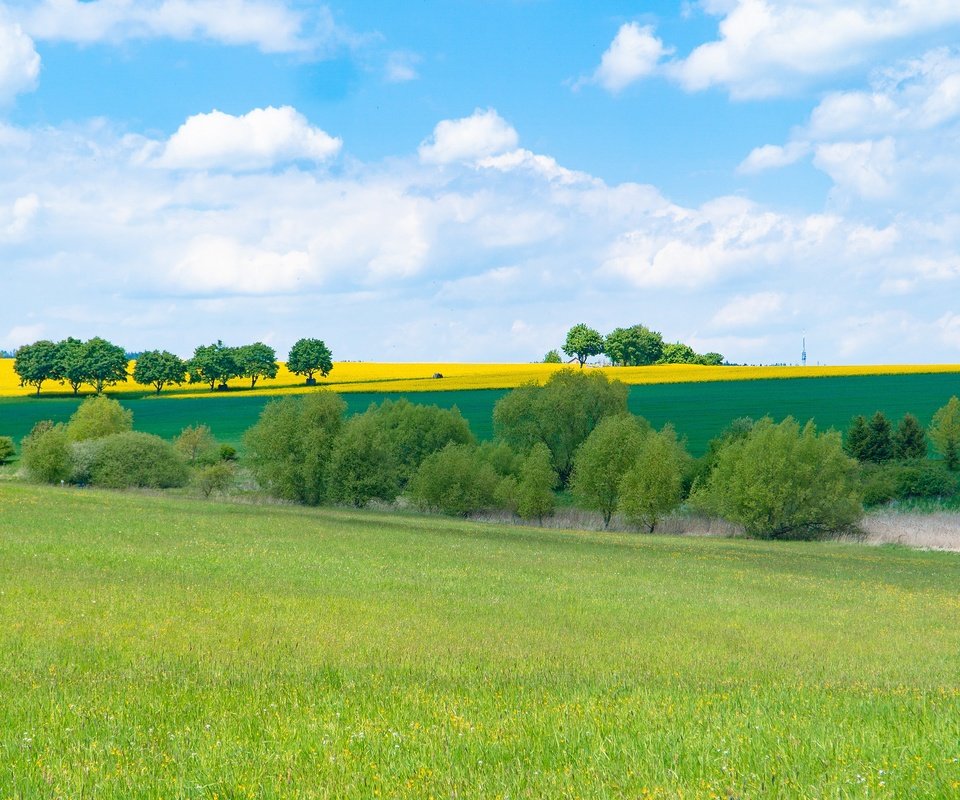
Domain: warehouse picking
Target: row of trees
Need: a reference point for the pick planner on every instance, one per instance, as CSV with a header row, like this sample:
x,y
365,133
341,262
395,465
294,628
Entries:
x,y
99,364
636,346
875,440
574,433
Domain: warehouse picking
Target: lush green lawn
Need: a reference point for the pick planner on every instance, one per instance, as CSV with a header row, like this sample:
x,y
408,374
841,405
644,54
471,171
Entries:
x,y
154,647
698,410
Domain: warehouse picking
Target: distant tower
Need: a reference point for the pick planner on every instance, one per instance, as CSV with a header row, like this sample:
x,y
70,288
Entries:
x,y
803,355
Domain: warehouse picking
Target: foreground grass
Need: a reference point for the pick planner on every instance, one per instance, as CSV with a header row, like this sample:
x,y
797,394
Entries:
x,y
152,647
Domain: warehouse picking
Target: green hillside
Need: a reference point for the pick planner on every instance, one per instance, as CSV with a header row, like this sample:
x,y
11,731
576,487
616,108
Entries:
x,y
153,647
698,410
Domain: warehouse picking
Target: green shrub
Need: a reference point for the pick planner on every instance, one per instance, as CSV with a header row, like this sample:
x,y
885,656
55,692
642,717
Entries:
x,y
610,450
363,466
560,414
46,453
215,478
455,480
289,447
784,482
133,459
7,450
97,417
879,484
83,455
197,445
924,479
534,492
228,452
652,486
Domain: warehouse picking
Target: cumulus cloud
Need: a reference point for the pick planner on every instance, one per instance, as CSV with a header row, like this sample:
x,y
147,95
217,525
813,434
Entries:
x,y
770,47
408,258
771,156
482,134
19,62
866,168
258,139
20,215
271,27
633,54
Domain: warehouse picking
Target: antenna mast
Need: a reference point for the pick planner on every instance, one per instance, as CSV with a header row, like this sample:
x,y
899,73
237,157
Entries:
x,y
803,355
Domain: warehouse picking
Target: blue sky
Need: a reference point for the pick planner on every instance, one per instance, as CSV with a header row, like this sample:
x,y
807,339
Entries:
x,y
465,180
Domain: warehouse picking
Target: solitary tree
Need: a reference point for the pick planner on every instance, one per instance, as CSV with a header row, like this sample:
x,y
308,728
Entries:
x,y
104,363
309,356
583,342
255,361
653,486
599,465
535,498
909,440
197,445
945,431
159,368
36,363
7,449
634,346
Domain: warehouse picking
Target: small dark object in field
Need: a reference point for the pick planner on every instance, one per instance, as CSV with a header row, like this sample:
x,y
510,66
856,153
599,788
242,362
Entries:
x,y
437,374
311,382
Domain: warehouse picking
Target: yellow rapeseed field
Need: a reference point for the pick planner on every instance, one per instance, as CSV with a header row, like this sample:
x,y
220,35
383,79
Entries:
x,y
359,376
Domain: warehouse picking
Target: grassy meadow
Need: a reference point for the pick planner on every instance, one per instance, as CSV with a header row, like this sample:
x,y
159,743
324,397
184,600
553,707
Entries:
x,y
159,647
699,411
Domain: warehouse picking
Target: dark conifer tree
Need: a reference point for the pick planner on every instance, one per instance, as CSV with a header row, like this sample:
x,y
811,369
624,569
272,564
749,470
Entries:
x,y
909,440
856,439
879,444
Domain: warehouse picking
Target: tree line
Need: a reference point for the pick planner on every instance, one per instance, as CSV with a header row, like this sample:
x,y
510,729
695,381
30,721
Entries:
x,y
571,437
99,364
636,346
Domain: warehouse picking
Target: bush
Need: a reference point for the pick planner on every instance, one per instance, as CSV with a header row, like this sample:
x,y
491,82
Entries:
x,y
363,466
560,414
132,459
215,478
924,479
97,417
46,453
455,481
82,457
784,482
197,445
602,460
228,452
7,450
652,487
879,485
534,492
289,447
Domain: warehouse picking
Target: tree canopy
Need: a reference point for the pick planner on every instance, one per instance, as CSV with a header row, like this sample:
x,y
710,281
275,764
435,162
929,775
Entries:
x,y
636,346
159,368
583,342
309,356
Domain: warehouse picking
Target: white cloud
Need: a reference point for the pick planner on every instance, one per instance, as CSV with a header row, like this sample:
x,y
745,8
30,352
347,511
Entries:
x,y
771,156
866,168
482,134
409,259
402,67
770,47
749,310
949,329
20,335
19,62
21,214
256,140
633,54
272,27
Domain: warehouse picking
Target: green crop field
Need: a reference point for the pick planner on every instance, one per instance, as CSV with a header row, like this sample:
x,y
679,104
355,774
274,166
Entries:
x,y
158,647
698,410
